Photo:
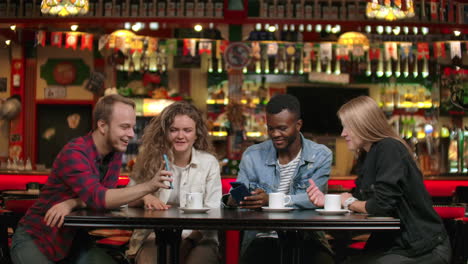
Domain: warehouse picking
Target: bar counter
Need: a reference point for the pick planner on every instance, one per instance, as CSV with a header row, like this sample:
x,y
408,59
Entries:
x,y
438,186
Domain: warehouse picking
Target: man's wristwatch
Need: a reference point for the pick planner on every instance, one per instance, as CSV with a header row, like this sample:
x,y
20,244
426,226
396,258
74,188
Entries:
x,y
348,202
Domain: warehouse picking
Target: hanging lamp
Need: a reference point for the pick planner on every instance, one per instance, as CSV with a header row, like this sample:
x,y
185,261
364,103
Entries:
x,y
65,7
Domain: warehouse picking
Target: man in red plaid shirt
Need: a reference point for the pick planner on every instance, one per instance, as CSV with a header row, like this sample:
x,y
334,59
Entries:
x,y
84,174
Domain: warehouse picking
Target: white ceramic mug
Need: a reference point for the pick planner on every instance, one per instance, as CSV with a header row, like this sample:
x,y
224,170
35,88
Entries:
x,y
194,200
278,200
332,202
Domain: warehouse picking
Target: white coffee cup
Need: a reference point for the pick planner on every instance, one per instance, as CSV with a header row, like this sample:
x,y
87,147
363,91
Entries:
x,y
332,202
278,200
194,200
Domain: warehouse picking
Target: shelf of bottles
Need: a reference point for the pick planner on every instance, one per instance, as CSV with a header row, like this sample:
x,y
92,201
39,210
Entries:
x,y
415,11
122,8
253,99
357,10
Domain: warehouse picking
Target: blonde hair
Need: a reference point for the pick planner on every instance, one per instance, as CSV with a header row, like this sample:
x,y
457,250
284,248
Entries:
x,y
363,117
155,140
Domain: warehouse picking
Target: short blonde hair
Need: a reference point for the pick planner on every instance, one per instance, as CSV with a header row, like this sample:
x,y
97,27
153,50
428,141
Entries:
x,y
105,107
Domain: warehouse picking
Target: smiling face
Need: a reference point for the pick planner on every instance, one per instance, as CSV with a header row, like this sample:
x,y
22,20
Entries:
x,y
283,129
182,134
120,129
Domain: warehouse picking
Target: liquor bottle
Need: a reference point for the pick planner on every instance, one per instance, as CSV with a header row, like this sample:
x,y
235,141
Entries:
x,y
209,9
171,8
280,8
299,9
134,8
144,8
289,9
99,10
3,8
19,8
116,8
151,8
180,6
161,8
28,8
263,9
125,8
11,8
199,8
308,9
272,8
218,7
36,9
189,8
108,5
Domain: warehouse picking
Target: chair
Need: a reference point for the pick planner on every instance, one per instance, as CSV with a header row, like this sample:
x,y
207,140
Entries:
x,y
453,218
459,240
115,246
461,195
114,242
8,219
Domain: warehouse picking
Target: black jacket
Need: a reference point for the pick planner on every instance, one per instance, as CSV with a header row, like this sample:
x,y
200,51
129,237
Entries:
x,y
391,183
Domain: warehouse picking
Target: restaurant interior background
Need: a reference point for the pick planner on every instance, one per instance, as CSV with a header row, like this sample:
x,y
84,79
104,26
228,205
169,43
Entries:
x,y
229,58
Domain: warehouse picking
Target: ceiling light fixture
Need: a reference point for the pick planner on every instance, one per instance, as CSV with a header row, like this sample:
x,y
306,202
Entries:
x,y
65,7
74,27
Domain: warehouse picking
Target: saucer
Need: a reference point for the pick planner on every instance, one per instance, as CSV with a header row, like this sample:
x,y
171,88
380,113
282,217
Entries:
x,y
194,210
337,212
284,209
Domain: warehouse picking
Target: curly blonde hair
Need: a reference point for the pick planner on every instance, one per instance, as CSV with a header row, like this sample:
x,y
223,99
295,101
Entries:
x,y
155,141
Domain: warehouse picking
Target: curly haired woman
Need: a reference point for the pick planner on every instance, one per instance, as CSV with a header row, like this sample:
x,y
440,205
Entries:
x,y
179,132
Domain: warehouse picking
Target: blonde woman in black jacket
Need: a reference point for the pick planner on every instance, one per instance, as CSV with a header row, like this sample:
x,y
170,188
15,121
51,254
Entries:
x,y
389,183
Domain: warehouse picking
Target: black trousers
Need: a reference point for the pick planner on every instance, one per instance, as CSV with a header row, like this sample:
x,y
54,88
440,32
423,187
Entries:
x,y
267,250
441,254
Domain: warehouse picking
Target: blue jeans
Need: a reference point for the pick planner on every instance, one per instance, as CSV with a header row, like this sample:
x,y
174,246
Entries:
x,y
25,251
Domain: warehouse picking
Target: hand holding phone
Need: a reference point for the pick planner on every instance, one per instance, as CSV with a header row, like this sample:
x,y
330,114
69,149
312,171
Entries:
x,y
166,161
239,191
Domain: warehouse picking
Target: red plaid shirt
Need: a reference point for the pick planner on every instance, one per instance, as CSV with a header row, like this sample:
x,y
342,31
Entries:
x,y
75,173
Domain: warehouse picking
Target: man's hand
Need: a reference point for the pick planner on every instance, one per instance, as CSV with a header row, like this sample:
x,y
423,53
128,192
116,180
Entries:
x,y
315,195
231,202
153,203
55,215
258,199
159,179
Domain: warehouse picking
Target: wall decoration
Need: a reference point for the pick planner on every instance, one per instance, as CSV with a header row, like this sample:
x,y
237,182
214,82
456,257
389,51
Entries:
x,y
65,71
3,85
55,92
58,124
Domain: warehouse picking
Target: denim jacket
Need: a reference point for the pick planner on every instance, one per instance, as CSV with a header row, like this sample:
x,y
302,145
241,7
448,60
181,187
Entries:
x,y
259,169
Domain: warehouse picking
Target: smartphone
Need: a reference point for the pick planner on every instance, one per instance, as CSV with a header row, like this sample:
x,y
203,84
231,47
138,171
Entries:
x,y
166,160
239,191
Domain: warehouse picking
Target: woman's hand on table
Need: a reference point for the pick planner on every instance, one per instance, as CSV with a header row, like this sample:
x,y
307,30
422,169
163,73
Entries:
x,y
315,195
344,197
153,203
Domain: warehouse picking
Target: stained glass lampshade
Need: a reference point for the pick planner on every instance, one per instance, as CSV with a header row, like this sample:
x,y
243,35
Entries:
x,y
65,7
390,10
